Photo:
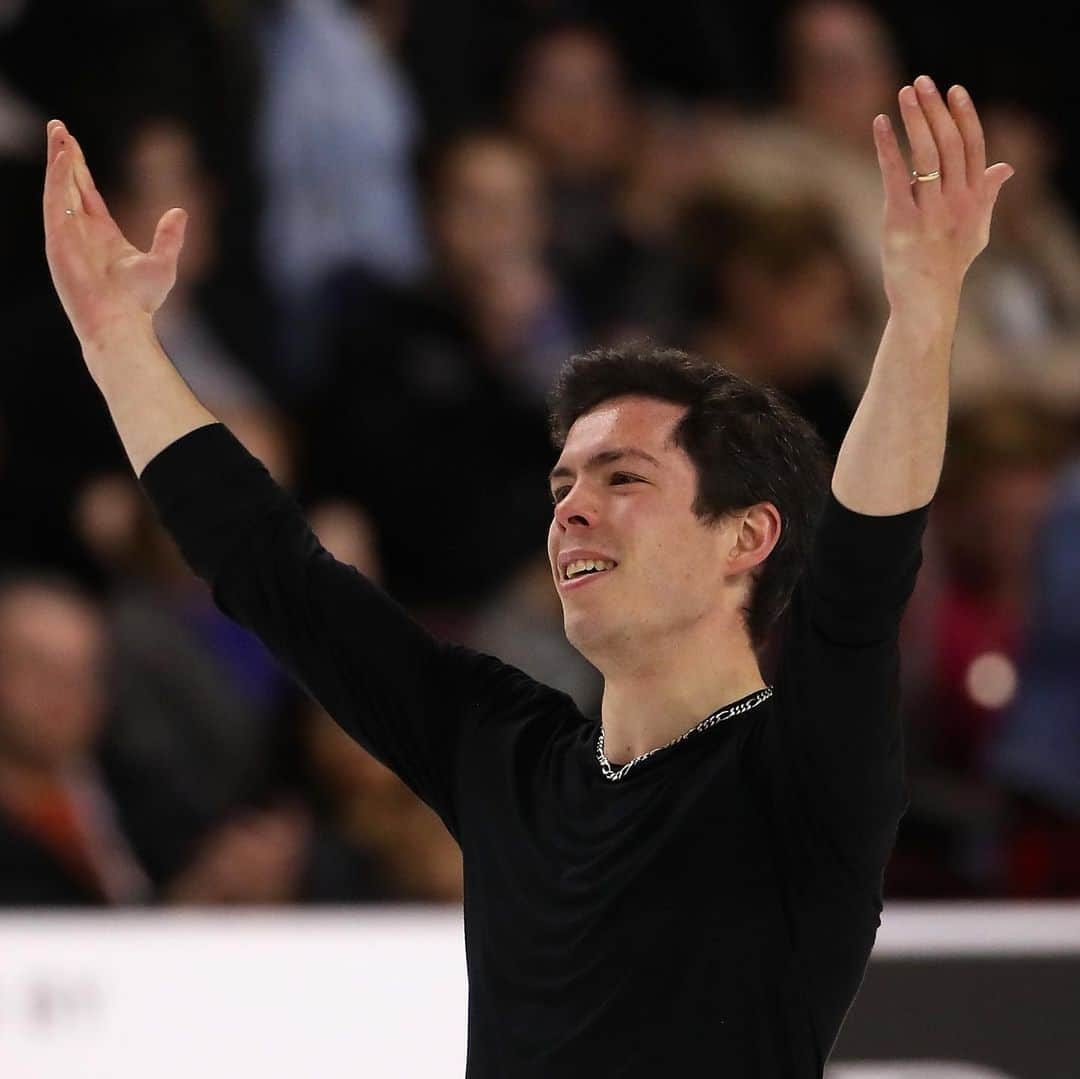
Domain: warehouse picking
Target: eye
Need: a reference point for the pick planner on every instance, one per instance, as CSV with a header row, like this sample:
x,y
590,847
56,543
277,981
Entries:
x,y
616,477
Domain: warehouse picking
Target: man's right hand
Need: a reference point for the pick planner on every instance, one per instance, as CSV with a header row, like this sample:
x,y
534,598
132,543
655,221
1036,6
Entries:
x,y
102,280
110,291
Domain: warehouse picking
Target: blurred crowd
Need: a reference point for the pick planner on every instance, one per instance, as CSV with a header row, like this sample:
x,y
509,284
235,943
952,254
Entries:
x,y
404,216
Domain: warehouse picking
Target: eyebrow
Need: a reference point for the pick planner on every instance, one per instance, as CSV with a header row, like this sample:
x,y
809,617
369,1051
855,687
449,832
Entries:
x,y
605,457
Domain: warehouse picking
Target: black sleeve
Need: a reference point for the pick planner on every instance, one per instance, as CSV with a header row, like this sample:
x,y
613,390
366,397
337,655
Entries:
x,y
836,748
407,697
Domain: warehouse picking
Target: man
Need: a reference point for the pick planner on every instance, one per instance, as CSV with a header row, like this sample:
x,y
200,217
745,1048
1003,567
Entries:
x,y
661,891
63,841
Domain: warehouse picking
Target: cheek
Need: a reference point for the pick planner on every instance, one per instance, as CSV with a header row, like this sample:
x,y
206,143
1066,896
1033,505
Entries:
x,y
552,542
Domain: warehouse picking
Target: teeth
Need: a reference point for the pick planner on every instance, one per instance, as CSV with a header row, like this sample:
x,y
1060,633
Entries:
x,y
583,564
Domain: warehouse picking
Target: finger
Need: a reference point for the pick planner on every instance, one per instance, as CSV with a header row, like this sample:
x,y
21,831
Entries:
x,y
996,177
950,143
62,158
967,119
93,203
54,195
894,171
58,196
169,235
924,153
65,160
57,134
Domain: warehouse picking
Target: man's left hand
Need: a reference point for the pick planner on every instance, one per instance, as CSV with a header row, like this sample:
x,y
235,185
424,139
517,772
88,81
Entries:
x,y
934,229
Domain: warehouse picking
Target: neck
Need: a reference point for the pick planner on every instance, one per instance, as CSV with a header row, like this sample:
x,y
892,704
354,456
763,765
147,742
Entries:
x,y
650,702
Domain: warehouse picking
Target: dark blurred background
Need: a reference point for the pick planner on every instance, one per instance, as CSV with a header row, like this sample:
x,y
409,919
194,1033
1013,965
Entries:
x,y
404,216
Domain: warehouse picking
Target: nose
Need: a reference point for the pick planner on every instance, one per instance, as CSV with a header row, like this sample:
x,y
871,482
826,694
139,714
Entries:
x,y
576,507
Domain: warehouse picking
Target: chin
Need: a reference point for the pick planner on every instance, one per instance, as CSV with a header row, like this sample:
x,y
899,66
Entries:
x,y
585,633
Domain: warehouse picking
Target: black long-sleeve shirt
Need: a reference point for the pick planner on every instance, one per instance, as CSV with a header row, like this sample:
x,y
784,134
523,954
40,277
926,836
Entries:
x,y
712,912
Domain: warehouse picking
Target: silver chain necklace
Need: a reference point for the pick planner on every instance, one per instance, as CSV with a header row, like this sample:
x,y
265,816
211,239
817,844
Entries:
x,y
709,721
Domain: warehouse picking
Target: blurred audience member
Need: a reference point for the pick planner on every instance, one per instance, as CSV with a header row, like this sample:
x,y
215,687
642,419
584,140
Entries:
x,y
778,299
252,859
336,130
376,840
1002,462
1020,310
434,420
571,103
839,69
1036,752
489,224
1000,468
61,838
77,828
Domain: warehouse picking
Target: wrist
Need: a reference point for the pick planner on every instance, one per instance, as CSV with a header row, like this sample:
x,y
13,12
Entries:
x,y
926,323
103,348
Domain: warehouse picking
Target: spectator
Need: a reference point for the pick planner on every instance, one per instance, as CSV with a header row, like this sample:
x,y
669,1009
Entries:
x,y
779,300
571,103
376,841
62,838
336,127
1020,315
838,69
74,829
999,472
1035,753
489,223
454,366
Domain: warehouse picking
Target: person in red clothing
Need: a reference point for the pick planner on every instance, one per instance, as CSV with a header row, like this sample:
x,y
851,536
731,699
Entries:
x,y
969,614
59,839
995,490
67,835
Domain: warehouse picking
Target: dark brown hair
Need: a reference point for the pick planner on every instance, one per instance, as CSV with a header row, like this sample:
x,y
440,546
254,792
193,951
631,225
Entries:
x,y
747,443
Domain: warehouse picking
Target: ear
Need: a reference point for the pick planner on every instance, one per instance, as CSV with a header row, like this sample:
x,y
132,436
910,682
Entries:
x,y
756,532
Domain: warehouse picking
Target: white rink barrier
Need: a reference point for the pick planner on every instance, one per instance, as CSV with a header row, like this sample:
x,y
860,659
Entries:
x,y
381,992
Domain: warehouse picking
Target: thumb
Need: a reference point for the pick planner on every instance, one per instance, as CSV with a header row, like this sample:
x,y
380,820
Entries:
x,y
169,235
999,175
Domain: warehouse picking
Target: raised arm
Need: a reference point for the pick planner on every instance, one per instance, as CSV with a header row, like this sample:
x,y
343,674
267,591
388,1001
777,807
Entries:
x,y
890,461
410,699
110,291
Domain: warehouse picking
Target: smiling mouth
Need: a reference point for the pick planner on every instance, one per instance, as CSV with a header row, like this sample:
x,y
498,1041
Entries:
x,y
577,582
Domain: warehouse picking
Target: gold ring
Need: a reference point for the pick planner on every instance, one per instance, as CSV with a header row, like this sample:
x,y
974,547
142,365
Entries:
x,y
922,178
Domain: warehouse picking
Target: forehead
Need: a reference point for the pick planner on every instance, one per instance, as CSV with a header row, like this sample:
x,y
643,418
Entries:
x,y
484,161
49,623
642,422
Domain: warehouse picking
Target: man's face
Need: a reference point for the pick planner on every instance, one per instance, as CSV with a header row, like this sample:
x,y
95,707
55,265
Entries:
x,y
488,208
572,105
670,572
843,69
52,657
